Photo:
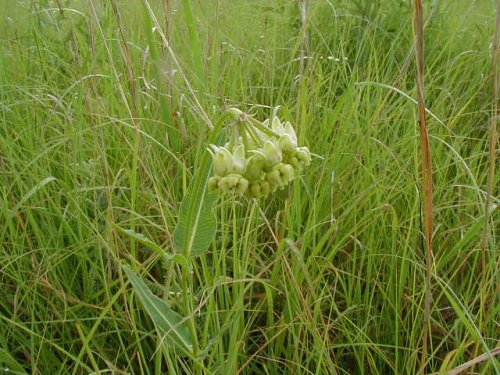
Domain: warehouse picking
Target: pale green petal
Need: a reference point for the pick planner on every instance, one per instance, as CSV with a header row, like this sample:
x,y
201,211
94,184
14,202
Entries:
x,y
272,152
287,144
238,160
276,124
290,131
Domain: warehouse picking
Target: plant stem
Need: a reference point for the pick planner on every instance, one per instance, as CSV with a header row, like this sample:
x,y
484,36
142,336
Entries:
x,y
188,293
244,137
256,137
235,134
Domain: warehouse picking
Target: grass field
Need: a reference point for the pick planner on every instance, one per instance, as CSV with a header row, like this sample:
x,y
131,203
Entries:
x,y
106,109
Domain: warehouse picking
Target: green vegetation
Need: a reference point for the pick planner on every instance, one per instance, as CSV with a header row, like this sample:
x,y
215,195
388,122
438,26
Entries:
x,y
106,112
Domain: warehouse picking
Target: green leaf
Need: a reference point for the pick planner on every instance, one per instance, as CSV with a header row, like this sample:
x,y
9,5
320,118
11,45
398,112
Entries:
x,y
168,322
139,237
196,226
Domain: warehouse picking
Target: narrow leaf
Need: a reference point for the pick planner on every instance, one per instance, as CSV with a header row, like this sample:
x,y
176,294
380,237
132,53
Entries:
x,y
168,322
141,238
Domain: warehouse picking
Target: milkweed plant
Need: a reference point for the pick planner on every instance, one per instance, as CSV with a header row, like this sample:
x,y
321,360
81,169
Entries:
x,y
259,159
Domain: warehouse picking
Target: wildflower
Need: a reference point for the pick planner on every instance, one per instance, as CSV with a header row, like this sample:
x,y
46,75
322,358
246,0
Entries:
x,y
261,158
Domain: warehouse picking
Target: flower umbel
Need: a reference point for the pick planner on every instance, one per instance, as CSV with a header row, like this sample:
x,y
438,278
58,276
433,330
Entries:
x,y
261,157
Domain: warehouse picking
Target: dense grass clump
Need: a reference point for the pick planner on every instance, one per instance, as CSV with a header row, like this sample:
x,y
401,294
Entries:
x,y
106,108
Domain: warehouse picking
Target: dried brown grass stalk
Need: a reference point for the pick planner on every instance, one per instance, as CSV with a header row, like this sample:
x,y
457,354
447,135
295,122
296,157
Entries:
x,y
426,176
467,366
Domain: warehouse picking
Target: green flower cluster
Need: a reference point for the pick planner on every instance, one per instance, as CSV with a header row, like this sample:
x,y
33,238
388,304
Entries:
x,y
261,158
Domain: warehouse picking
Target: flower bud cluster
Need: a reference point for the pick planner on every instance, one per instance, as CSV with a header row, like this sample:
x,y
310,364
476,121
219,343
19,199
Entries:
x,y
260,159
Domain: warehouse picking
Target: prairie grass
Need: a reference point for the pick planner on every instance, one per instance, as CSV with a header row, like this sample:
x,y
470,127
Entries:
x,y
106,107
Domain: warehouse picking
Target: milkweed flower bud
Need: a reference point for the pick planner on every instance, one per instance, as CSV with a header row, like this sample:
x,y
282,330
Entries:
x,y
304,155
255,190
232,183
274,179
286,172
259,189
265,188
294,162
228,183
255,166
213,183
242,186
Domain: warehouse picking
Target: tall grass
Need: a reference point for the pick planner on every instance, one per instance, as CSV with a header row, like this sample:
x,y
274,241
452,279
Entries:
x,y
105,112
